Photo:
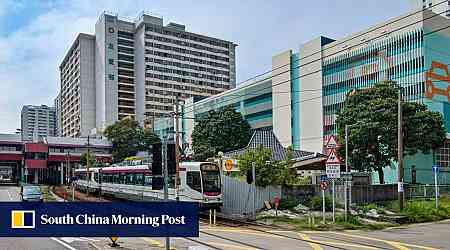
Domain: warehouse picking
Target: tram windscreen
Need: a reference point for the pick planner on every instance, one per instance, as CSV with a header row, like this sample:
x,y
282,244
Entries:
x,y
210,178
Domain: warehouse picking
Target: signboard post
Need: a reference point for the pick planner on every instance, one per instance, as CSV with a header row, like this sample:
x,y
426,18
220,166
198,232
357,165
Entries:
x,y
436,188
323,186
333,170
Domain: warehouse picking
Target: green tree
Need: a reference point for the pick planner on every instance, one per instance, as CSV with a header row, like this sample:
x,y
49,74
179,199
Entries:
x,y
128,138
224,131
84,159
373,138
267,172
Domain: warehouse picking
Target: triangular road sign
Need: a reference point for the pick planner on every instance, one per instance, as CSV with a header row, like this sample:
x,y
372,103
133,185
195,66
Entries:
x,y
333,158
332,142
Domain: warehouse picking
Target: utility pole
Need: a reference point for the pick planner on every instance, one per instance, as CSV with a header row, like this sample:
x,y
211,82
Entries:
x,y
177,143
346,173
166,180
400,151
88,157
254,190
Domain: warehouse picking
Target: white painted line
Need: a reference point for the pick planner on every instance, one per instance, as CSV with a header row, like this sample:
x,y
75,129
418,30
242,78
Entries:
x,y
9,195
63,243
89,239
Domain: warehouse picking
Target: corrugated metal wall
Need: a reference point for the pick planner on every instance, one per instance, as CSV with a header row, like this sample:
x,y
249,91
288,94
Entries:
x,y
237,196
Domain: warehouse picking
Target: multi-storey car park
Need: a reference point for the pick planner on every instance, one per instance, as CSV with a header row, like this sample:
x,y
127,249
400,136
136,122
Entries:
x,y
307,88
137,68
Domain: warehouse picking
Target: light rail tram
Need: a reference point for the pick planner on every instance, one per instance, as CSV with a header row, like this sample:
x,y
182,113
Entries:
x,y
133,180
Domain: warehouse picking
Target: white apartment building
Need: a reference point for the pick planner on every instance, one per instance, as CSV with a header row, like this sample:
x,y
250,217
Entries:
x,y
137,68
37,121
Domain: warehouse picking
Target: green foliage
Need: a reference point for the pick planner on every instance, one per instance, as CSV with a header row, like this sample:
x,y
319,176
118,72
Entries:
x,y
373,142
224,131
316,203
267,173
84,159
128,138
424,211
288,204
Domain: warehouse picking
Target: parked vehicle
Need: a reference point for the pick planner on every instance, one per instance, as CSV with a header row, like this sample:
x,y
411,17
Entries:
x,y
31,193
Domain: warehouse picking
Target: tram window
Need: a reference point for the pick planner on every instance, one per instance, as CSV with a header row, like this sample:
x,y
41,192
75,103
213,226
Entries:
x,y
122,179
193,180
116,178
148,180
139,179
96,177
211,181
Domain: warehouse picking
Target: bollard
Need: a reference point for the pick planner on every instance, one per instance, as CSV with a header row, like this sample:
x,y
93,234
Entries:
x,y
214,211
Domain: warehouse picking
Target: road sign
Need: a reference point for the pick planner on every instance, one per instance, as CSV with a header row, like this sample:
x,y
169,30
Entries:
x,y
323,178
333,158
230,165
435,168
332,143
333,171
324,185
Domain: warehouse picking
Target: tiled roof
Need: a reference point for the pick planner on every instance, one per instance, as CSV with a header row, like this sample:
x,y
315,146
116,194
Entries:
x,y
267,139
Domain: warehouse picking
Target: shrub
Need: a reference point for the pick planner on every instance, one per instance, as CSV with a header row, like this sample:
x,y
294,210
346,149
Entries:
x,y
288,204
316,203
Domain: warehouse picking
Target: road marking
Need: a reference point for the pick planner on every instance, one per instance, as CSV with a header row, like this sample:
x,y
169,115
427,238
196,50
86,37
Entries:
x,y
9,194
344,244
310,242
153,242
245,231
228,246
397,244
63,243
89,239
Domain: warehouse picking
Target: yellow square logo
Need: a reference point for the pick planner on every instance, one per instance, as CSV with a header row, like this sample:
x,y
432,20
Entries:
x,y
22,219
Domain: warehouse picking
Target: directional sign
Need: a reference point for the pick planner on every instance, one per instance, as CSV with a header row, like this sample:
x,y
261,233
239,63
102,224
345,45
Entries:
x,y
333,171
435,168
323,178
332,158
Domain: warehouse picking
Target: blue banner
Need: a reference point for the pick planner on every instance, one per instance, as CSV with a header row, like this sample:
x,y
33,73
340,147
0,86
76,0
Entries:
x,y
99,219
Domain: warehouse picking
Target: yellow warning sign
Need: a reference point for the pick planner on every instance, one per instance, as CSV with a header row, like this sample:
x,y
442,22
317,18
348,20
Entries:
x,y
114,239
229,165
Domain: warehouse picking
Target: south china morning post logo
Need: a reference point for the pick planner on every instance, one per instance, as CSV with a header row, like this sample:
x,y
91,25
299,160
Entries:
x,y
123,219
21,219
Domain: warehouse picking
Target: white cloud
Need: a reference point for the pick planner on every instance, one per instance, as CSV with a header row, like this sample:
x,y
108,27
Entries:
x,y
30,56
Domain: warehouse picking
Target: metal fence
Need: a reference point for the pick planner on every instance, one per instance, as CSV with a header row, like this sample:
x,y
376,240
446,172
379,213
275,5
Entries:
x,y
237,196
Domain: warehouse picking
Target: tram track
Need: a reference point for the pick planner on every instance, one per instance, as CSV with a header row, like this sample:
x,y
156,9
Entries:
x,y
235,223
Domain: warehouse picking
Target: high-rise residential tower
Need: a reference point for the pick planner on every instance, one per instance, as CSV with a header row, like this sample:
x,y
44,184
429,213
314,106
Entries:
x,y
37,121
77,93
137,68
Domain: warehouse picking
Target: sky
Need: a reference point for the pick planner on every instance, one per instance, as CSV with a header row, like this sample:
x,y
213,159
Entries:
x,y
35,34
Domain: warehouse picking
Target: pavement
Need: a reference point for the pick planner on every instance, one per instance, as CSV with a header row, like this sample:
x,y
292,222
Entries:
x,y
427,236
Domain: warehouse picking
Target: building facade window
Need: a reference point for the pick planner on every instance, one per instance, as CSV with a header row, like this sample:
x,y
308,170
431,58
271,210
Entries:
x,y
111,77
